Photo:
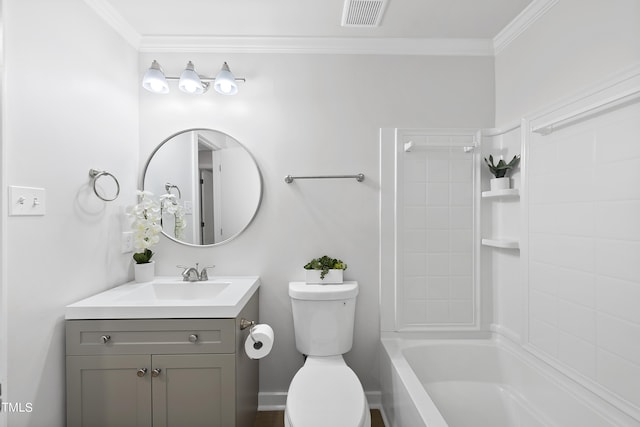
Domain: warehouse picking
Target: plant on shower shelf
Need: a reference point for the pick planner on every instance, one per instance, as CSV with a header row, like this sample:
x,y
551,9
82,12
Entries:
x,y
325,263
500,170
146,226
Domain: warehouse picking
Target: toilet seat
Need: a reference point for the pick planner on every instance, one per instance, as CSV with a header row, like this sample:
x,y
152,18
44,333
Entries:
x,y
326,394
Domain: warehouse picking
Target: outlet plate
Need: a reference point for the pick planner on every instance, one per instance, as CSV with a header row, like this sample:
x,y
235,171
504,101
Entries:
x,y
26,201
127,242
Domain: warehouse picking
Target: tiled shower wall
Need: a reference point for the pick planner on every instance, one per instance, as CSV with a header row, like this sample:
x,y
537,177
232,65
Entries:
x,y
436,234
584,243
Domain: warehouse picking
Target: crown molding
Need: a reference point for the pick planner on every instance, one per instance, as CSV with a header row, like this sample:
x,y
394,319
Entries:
x,y
318,45
536,10
116,21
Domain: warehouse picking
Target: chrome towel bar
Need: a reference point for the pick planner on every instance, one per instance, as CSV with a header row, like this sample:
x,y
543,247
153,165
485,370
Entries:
x,y
289,179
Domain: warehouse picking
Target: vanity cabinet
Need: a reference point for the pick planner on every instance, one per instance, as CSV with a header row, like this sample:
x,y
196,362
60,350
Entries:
x,y
160,372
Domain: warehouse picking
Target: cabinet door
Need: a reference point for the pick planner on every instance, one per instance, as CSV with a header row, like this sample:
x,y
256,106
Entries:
x,y
194,390
106,391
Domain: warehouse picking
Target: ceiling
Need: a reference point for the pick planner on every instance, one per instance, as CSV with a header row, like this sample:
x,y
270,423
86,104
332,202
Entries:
x,y
416,19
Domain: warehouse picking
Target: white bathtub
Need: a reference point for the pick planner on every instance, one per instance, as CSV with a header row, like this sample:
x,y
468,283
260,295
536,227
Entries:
x,y
482,383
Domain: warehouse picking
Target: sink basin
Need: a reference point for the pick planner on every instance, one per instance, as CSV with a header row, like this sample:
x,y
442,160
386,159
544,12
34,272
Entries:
x,y
176,291
168,297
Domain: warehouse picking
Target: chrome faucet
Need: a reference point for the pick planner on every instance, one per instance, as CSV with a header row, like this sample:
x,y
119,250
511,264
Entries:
x,y
191,274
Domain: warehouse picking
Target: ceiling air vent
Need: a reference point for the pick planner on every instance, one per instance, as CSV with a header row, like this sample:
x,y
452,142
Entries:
x,y
363,13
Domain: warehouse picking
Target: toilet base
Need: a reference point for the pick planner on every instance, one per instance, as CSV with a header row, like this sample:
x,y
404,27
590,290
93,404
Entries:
x,y
326,382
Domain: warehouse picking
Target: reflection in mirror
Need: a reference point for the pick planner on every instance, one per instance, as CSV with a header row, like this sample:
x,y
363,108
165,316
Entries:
x,y
210,185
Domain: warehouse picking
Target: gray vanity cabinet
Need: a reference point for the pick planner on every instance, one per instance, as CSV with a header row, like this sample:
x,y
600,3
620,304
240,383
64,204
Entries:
x,y
160,373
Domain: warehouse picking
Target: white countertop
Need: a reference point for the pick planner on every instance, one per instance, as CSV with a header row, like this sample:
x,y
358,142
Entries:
x,y
169,297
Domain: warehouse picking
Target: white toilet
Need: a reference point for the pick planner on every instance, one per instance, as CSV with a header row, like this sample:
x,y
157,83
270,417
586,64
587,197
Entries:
x,y
325,391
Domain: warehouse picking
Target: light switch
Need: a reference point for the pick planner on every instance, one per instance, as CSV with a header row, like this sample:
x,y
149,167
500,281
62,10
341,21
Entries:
x,y
26,201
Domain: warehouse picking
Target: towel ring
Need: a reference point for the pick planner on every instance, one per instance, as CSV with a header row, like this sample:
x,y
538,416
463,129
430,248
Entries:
x,y
95,175
169,186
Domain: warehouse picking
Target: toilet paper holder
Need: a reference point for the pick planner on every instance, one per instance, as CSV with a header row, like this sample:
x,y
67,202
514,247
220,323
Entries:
x,y
244,324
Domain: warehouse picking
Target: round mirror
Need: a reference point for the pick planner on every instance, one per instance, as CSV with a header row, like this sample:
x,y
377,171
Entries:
x,y
208,183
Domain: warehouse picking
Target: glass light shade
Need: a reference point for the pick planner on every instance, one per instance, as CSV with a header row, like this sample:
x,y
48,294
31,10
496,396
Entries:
x,y
225,82
154,79
190,81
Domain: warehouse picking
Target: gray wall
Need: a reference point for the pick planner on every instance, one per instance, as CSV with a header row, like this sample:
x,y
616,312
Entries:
x,y
305,115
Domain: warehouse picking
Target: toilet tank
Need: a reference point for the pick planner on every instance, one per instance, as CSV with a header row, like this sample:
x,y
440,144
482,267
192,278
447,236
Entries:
x,y
323,317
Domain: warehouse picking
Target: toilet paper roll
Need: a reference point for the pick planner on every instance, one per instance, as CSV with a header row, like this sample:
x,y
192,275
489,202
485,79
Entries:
x,y
263,336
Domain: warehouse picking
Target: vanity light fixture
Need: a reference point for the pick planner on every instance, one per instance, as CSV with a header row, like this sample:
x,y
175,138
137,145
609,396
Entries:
x,y
190,81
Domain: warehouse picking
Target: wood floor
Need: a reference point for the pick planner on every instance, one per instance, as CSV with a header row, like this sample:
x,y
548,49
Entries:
x,y
276,419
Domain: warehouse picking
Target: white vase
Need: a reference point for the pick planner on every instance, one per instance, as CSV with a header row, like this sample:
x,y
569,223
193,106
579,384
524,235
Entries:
x,y
500,183
144,272
333,276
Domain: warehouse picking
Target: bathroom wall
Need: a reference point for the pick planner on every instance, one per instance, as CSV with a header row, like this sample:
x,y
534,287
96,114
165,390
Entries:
x,y
581,242
560,55
70,104
305,115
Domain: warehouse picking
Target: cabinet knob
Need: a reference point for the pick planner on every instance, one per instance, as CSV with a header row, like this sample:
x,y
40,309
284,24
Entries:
x,y
193,338
156,372
105,338
142,372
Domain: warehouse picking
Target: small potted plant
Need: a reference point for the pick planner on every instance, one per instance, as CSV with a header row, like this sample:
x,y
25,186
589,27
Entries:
x,y
325,270
500,170
146,233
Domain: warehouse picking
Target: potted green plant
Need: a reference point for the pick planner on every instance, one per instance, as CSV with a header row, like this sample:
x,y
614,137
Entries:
x,y
500,171
325,270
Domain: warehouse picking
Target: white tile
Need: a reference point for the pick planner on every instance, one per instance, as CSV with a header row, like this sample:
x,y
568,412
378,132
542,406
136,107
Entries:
x,y
437,241
461,287
414,312
461,217
575,148
415,241
618,138
575,185
461,264
415,287
542,277
415,217
461,194
437,264
438,287
543,307
437,311
575,286
565,251
414,264
415,194
619,337
577,320
618,181
461,311
462,170
437,168
619,259
437,194
437,218
620,376
415,169
461,240
618,219
620,298
544,337
577,354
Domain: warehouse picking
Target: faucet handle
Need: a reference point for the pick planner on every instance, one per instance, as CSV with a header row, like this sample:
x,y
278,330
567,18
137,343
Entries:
x,y
203,274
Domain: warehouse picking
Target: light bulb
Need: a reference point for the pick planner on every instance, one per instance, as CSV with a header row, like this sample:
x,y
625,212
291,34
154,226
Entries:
x,y
190,81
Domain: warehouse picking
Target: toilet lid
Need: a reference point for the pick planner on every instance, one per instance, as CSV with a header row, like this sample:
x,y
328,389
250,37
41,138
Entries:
x,y
326,396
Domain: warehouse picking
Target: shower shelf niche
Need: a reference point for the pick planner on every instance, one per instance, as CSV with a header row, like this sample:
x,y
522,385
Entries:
x,y
501,243
511,192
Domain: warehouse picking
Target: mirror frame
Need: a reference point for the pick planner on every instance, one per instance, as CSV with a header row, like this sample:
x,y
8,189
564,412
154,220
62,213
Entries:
x,y
261,182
